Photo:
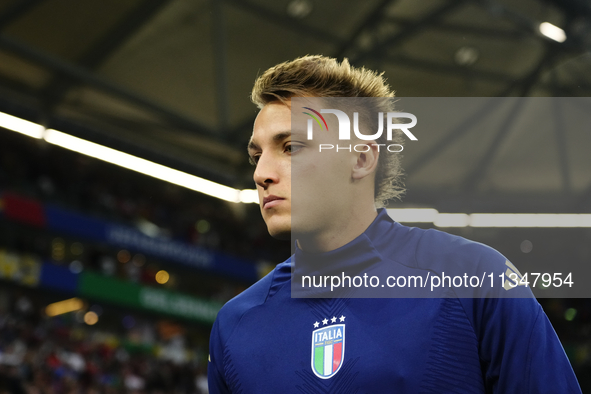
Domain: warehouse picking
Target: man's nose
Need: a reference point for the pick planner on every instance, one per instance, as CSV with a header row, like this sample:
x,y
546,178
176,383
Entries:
x,y
265,172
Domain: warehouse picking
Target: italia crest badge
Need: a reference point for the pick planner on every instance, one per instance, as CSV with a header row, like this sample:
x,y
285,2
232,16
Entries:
x,y
328,347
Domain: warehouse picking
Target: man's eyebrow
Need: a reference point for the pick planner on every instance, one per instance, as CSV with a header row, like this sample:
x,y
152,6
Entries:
x,y
252,146
281,136
276,138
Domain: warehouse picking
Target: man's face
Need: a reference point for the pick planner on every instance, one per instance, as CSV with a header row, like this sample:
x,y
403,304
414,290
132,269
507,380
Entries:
x,y
300,189
270,149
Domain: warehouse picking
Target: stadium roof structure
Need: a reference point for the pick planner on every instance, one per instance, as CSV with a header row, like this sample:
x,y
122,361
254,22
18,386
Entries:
x,y
169,80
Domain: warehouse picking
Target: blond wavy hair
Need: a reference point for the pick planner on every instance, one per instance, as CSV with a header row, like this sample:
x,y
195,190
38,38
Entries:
x,y
321,76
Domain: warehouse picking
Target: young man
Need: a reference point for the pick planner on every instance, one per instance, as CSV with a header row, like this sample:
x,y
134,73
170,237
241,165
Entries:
x,y
265,341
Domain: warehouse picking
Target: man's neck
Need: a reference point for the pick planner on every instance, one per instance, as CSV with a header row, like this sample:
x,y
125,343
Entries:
x,y
330,239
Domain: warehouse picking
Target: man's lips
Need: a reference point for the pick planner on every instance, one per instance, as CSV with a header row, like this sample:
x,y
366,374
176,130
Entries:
x,y
271,201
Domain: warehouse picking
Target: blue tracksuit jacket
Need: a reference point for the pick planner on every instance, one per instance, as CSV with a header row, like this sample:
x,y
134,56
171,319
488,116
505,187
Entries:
x,y
264,341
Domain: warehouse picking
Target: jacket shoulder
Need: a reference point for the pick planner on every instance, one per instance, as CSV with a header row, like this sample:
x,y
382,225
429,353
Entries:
x,y
229,316
438,250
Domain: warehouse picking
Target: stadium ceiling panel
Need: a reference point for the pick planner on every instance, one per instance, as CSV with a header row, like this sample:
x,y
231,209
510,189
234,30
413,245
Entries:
x,y
170,79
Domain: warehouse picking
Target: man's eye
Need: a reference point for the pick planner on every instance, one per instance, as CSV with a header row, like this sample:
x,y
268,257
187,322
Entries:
x,y
253,160
292,148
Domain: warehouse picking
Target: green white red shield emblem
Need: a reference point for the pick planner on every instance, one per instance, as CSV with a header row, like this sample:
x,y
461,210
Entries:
x,y
328,350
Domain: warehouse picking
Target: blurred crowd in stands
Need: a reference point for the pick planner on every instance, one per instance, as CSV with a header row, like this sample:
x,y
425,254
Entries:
x,y
42,355
63,354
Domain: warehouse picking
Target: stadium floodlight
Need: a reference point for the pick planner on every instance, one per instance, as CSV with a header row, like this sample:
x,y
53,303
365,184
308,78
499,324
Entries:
x,y
547,220
249,196
413,215
530,220
452,220
128,161
21,126
146,167
553,32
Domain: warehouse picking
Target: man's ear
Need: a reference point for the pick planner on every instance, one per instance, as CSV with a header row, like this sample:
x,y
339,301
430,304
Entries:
x,y
367,161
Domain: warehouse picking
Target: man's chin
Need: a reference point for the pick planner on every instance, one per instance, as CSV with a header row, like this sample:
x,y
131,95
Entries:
x,y
283,234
